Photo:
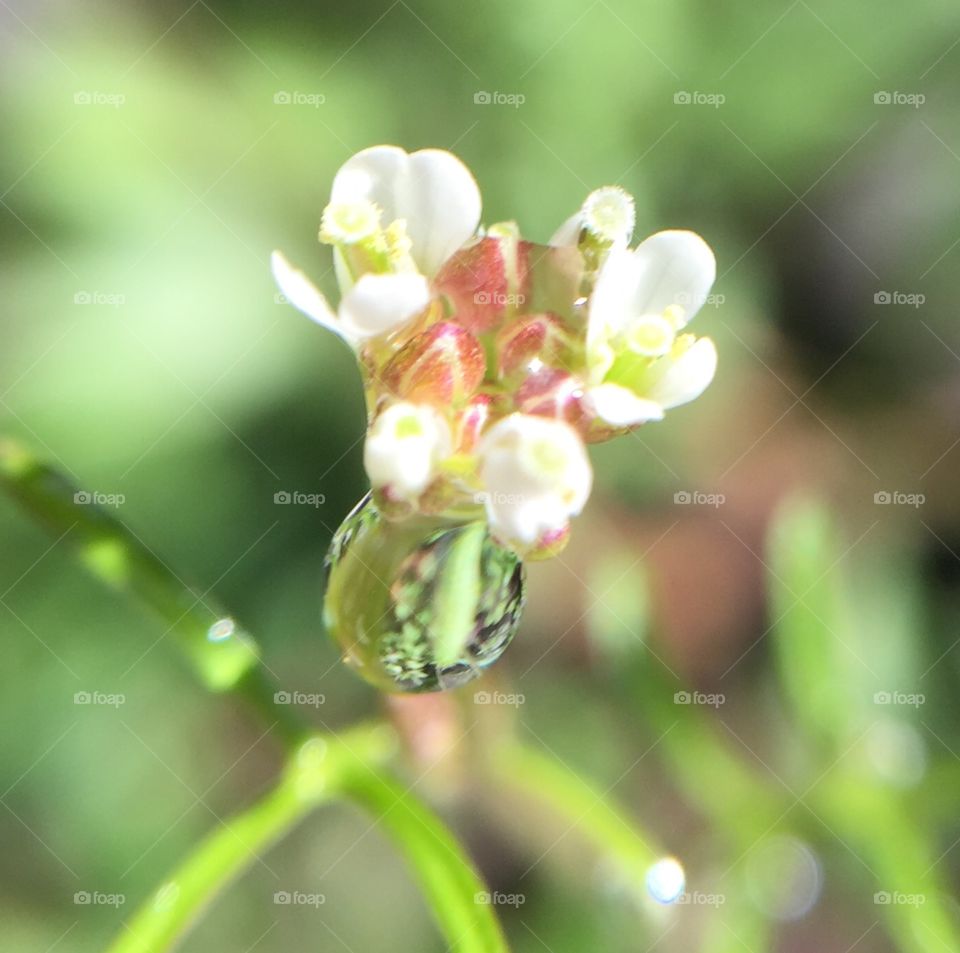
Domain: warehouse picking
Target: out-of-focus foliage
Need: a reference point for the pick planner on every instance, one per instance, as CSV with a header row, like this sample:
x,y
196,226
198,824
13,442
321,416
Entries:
x,y
153,155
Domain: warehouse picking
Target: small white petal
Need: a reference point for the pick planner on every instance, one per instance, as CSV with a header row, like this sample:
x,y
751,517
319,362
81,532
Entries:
x,y
377,304
405,445
685,377
569,232
431,190
672,268
620,407
301,292
611,304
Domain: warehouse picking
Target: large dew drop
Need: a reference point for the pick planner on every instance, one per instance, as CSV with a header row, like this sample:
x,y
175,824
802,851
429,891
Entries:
x,y
420,605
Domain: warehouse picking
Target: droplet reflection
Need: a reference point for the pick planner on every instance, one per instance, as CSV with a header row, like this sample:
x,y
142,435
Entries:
x,y
221,629
784,877
666,880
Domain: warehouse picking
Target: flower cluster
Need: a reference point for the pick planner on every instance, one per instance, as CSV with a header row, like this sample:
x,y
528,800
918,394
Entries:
x,y
490,361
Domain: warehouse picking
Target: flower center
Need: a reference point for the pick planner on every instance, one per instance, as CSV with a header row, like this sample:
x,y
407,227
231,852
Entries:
x,y
650,335
347,223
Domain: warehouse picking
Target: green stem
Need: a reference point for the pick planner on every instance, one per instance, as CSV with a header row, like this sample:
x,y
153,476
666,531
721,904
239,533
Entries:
x,y
454,891
314,774
545,779
321,769
223,656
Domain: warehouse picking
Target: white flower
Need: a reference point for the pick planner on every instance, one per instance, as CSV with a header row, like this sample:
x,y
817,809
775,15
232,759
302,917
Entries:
x,y
375,305
404,447
536,475
607,214
431,192
638,366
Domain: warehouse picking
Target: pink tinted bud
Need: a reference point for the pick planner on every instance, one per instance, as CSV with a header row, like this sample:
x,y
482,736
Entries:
x,y
443,365
549,392
541,337
472,421
475,282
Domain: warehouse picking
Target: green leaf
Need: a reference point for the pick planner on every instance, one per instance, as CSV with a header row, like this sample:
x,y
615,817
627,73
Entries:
x,y
815,646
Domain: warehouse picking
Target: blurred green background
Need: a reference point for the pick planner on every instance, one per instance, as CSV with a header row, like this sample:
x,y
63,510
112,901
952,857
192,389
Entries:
x,y
154,154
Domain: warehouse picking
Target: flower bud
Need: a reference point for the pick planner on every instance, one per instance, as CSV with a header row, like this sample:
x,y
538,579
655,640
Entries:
x,y
550,392
443,365
540,338
476,283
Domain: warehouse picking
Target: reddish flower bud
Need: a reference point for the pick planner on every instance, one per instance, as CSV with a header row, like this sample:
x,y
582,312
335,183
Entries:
x,y
472,421
443,365
476,282
540,337
549,392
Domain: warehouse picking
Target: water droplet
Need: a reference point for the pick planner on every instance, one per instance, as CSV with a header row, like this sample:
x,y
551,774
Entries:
x,y
221,629
385,584
897,752
784,877
666,880
166,896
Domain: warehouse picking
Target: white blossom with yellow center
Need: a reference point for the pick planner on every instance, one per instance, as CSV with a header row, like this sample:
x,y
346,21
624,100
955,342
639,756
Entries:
x,y
536,475
393,219
405,446
638,365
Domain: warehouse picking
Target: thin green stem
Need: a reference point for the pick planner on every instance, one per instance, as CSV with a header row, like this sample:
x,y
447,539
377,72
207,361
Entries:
x,y
319,770
314,774
454,891
222,654
547,780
